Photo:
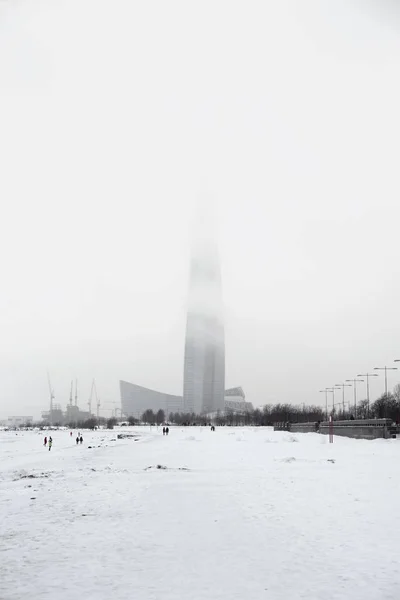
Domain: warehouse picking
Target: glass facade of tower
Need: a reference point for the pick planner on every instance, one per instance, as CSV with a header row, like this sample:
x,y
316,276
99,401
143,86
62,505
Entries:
x,y
204,363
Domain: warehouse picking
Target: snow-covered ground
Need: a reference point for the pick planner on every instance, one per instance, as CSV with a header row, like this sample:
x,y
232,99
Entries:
x,y
236,514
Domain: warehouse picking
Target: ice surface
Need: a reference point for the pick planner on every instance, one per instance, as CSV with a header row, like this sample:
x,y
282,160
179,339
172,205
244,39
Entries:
x,y
163,517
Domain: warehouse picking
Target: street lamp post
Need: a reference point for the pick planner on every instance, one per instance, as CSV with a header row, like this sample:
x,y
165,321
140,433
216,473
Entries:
x,y
368,375
386,369
325,391
397,360
343,385
332,389
354,382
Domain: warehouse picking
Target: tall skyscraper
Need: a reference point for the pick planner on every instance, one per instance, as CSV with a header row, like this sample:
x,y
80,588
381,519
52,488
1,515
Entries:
x,y
204,364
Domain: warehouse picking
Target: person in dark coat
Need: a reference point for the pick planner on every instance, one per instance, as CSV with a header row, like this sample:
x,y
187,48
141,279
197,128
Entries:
x,y
163,430
45,442
77,440
167,430
81,439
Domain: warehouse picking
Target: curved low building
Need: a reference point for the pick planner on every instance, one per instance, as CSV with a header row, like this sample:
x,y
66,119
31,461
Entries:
x,y
135,399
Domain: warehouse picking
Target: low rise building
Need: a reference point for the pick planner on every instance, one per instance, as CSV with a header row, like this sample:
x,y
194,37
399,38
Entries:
x,y
235,401
19,421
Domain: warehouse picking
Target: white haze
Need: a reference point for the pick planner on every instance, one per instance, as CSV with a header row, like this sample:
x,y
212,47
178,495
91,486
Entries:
x,y
114,116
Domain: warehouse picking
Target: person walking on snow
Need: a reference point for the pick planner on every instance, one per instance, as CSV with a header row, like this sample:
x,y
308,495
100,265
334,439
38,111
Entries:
x,y
167,430
163,430
77,440
81,439
50,443
45,442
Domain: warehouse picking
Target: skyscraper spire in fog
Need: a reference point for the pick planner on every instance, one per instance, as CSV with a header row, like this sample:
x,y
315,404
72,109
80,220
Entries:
x,y
204,363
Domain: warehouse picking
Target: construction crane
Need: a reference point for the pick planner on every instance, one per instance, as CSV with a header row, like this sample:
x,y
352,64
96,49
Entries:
x,y
90,399
51,399
97,400
112,409
94,390
115,409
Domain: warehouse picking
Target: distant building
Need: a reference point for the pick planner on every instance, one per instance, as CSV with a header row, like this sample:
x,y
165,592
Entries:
x,y
204,362
55,416
135,399
74,415
71,416
18,421
235,401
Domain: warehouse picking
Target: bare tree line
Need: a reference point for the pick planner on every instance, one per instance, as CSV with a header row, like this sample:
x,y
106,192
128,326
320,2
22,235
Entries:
x,y
386,406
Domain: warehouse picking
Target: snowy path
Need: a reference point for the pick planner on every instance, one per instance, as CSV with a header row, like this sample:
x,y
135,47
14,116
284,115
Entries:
x,y
256,515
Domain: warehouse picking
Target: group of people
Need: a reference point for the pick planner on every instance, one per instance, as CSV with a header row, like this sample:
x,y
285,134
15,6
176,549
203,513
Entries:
x,y
165,430
48,442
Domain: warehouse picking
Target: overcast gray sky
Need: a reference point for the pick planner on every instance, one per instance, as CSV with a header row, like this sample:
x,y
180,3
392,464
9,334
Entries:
x,y
117,117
